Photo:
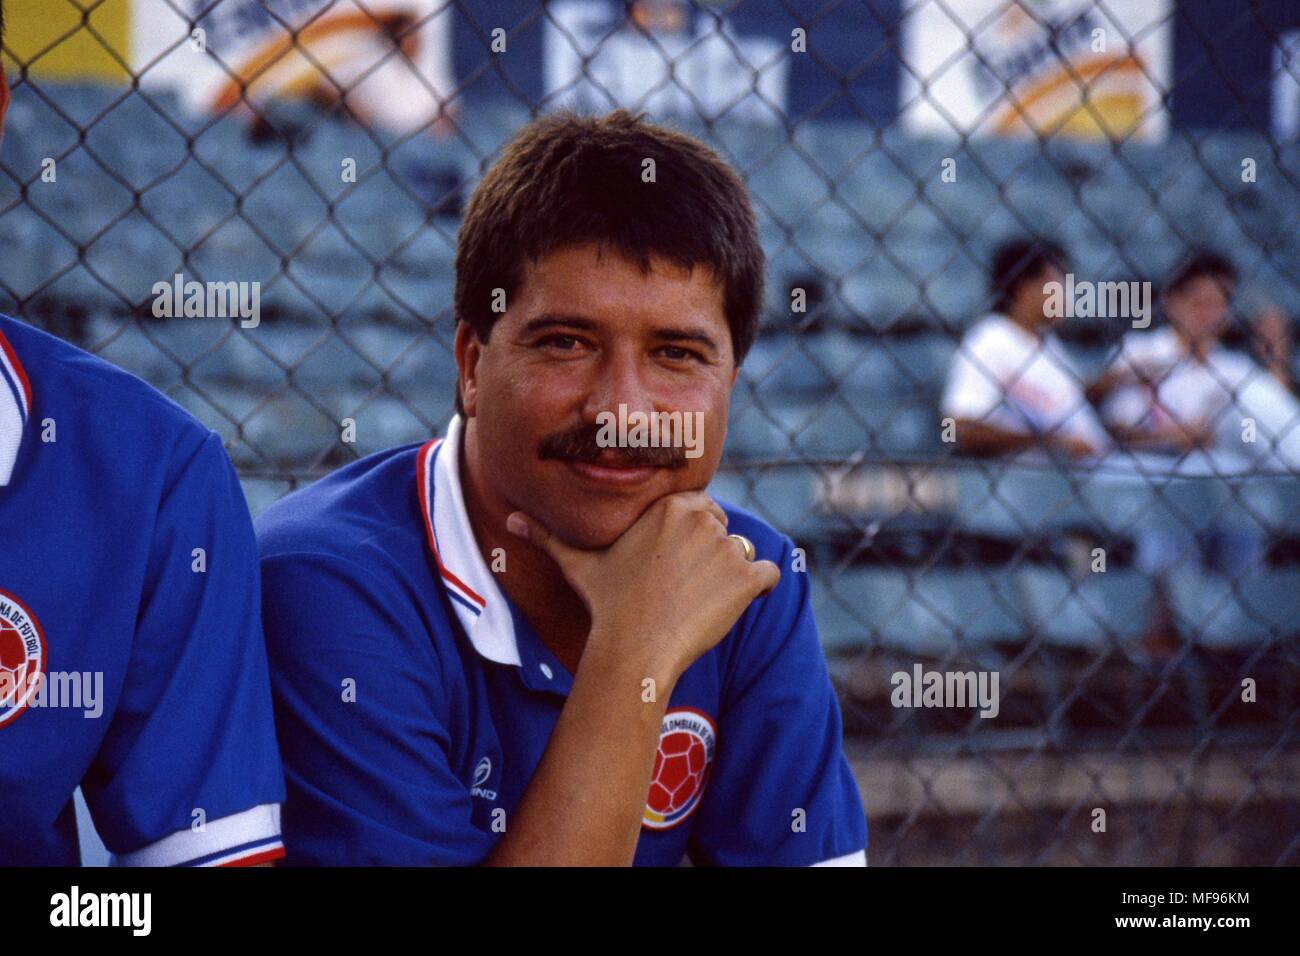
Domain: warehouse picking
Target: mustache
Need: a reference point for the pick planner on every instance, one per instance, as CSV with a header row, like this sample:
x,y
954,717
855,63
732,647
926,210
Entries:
x,y
579,444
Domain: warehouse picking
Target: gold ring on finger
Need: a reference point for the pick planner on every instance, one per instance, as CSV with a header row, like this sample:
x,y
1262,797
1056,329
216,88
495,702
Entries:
x,y
746,545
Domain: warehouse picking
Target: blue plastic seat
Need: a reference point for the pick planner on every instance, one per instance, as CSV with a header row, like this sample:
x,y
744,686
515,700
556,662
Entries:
x,y
1099,610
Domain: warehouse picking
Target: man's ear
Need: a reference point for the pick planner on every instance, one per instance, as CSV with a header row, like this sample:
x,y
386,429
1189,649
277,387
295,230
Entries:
x,y
468,350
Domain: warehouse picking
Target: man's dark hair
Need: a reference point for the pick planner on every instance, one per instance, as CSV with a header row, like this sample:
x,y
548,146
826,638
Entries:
x,y
1021,260
1200,263
566,179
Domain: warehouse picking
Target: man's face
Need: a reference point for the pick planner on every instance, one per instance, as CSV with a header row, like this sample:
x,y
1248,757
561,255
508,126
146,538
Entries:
x,y
584,335
1199,309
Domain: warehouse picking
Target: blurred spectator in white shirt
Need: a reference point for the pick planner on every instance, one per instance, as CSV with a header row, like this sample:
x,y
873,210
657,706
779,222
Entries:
x,y
1179,389
1012,386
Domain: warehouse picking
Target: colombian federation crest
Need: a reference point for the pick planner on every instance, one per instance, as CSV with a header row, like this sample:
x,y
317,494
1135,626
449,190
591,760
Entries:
x,y
687,741
22,657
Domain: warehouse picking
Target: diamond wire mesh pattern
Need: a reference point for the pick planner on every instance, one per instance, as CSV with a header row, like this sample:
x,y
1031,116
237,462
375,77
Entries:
x,y
917,555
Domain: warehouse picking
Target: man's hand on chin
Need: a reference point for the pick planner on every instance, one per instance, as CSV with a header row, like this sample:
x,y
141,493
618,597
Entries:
x,y
668,589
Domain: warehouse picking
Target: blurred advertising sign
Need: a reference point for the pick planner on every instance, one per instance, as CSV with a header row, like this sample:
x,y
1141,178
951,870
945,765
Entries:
x,y
387,61
1036,67
62,40
666,57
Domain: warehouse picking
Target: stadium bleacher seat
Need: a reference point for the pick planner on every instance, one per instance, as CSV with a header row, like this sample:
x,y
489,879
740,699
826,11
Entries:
x,y
936,613
287,429
386,422
859,607
782,496
1089,612
797,364
970,606
1217,612
902,365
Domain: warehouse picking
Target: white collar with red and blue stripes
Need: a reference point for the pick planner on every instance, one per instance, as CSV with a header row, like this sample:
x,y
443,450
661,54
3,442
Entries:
x,y
15,407
481,607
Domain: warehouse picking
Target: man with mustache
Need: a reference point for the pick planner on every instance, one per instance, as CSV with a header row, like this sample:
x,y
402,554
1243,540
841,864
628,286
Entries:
x,y
519,645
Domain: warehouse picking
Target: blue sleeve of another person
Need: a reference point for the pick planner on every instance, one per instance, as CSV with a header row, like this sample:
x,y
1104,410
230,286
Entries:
x,y
188,772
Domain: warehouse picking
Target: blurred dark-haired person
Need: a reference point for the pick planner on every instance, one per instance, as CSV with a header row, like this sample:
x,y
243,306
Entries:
x,y
1012,386
131,654
1178,389
523,643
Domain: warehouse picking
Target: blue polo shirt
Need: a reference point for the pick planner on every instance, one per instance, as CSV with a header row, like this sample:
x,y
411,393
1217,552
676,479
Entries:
x,y
414,701
131,653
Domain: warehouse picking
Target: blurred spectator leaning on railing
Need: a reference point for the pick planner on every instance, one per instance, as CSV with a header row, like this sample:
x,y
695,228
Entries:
x,y
1012,386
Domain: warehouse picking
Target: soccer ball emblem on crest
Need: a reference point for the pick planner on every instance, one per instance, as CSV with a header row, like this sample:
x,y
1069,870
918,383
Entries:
x,y
22,657
687,740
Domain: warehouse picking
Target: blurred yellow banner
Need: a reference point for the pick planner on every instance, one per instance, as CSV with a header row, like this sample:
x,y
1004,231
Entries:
x,y
58,39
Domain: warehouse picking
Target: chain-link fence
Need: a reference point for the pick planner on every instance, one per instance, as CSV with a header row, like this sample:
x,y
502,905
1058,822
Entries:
x,y
1052,644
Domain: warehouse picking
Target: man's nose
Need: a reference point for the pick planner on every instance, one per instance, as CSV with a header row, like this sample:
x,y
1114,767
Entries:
x,y
619,380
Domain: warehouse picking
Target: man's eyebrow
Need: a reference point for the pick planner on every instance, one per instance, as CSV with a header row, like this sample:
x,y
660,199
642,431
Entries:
x,y
687,335
549,320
